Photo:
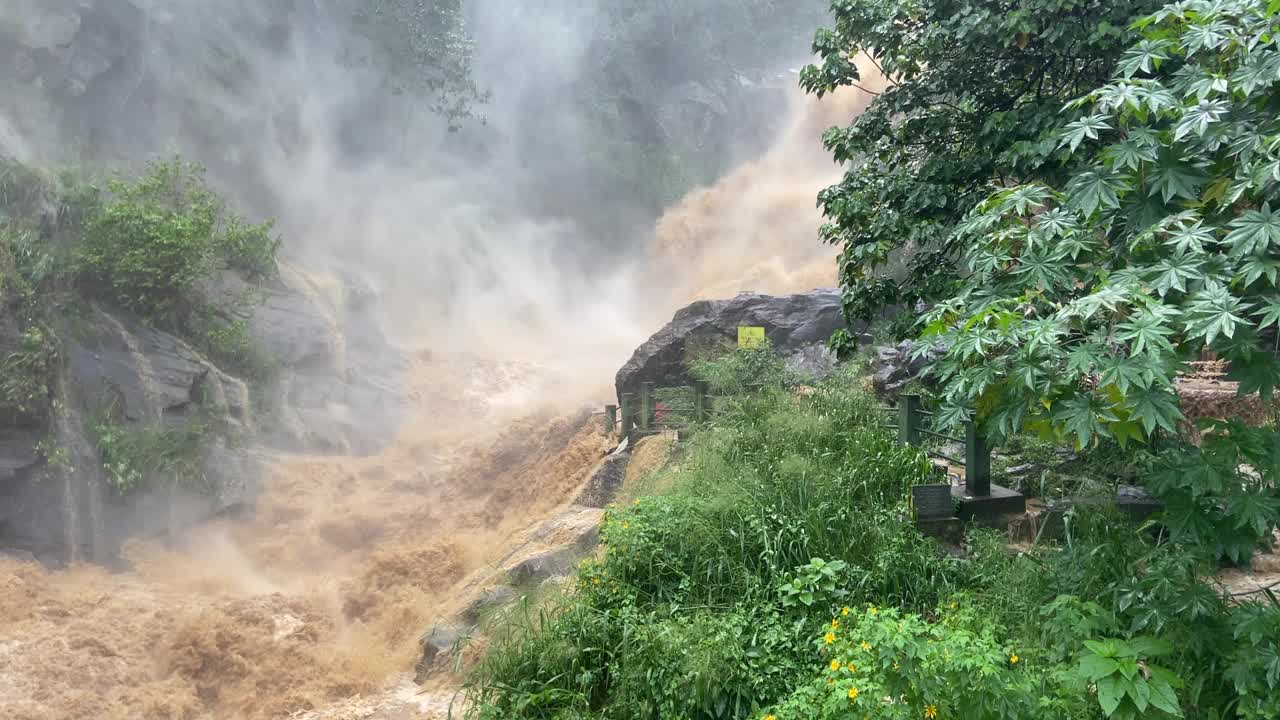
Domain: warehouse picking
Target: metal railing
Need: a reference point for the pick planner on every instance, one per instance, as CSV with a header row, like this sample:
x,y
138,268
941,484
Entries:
x,y
914,424
645,413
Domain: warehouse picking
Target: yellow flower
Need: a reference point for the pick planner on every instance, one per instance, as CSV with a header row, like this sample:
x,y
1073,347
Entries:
x,y
835,664
596,581
853,693
844,611
1013,659
953,607
625,524
835,624
853,668
931,711
866,645
831,681
637,502
770,717
830,638
874,609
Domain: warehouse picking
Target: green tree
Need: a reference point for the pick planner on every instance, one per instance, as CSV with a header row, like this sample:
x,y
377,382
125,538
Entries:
x,y
1083,303
421,46
975,98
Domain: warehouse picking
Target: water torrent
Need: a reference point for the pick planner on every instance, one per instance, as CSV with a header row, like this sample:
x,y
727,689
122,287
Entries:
x,y
314,600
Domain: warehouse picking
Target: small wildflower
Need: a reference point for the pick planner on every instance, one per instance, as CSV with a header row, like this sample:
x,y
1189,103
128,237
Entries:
x,y
954,605
595,581
625,524
835,665
844,611
931,711
874,609
866,645
853,668
1013,659
830,638
770,717
637,502
853,693
835,624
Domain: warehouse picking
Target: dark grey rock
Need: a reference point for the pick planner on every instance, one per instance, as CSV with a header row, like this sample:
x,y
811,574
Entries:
x,y
437,644
606,480
491,598
893,367
793,324
551,563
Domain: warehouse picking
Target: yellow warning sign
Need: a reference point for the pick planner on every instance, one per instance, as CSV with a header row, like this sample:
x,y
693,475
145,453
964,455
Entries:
x,y
750,337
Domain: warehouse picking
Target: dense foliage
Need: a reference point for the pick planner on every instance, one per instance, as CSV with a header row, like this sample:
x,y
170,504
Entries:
x,y
1083,303
975,99
155,246
776,577
421,47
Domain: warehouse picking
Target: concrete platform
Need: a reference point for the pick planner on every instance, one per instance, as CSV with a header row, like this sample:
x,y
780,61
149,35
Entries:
x,y
990,510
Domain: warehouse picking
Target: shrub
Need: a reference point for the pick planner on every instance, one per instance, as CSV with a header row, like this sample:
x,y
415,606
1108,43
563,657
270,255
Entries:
x,y
151,243
136,457
883,663
26,376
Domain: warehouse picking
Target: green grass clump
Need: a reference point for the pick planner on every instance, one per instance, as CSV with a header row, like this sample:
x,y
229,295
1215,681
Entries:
x,y
779,553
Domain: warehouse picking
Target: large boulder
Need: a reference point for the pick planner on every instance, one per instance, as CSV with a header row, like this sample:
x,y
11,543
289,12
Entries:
x,y
798,326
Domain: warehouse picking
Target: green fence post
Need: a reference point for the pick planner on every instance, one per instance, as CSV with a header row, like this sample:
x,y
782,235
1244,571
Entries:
x,y
909,419
628,415
977,462
610,419
646,407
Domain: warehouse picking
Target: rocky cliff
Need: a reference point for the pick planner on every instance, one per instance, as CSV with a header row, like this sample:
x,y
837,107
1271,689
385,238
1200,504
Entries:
x,y
334,390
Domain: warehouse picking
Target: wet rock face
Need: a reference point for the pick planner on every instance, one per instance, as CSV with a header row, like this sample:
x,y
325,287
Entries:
x,y
338,390
798,326
894,366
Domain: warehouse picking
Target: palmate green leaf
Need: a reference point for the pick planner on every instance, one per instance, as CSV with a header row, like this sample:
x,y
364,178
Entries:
x,y
1207,85
1022,199
1256,267
1155,407
1129,155
1197,118
1097,189
1145,57
1258,373
1084,358
1127,372
1156,97
1044,269
1146,333
1215,311
1256,511
1174,271
1254,232
1118,95
1056,222
1206,36
1269,313
1087,127
1108,297
1086,417
1174,177
1190,237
